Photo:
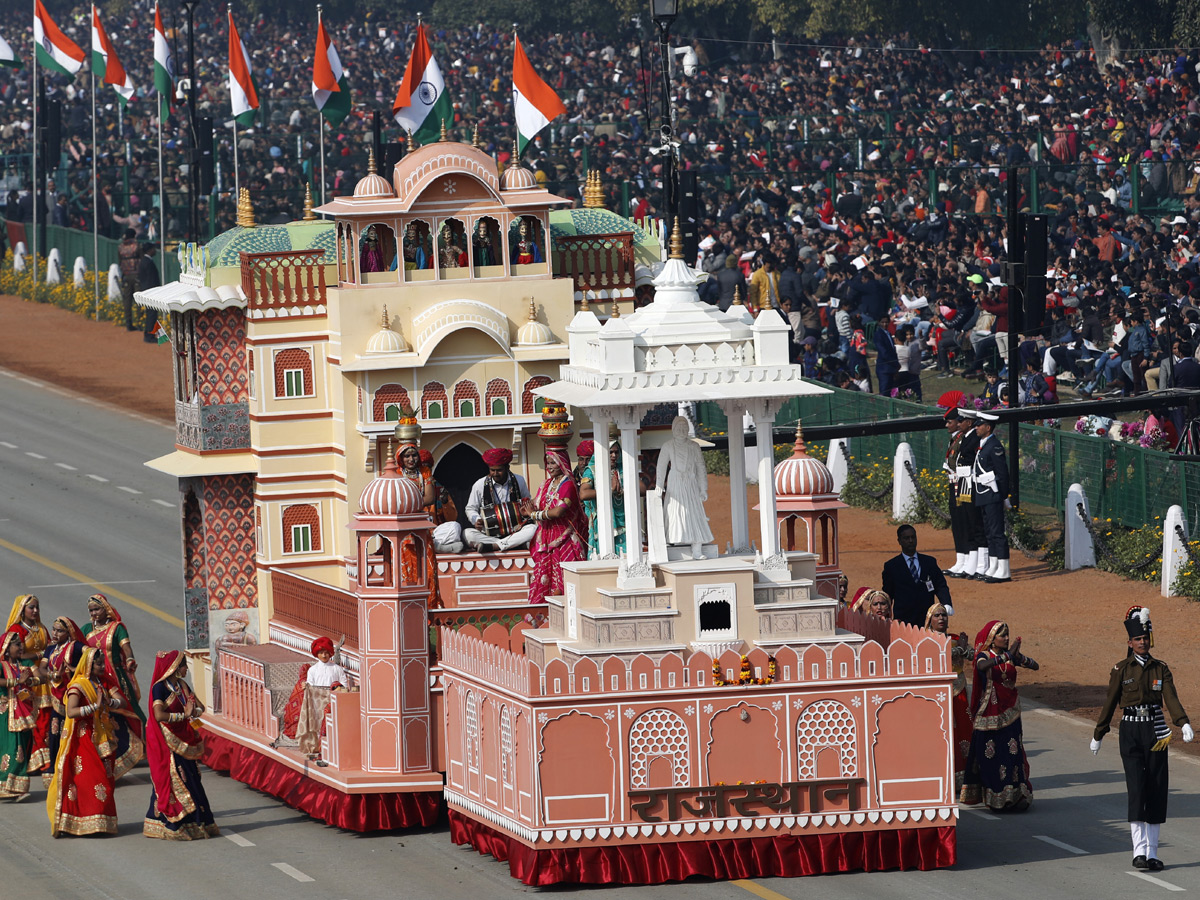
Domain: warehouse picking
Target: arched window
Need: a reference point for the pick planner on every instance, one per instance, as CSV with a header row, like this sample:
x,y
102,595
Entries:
x,y
387,402
433,400
497,397
530,401
301,529
466,399
293,373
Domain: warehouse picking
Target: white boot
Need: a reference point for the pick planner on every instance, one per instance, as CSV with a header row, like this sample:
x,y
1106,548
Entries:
x,y
1000,571
1152,840
982,562
1138,831
971,562
959,562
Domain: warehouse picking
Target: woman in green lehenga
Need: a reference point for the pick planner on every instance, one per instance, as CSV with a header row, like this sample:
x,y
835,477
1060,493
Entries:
x,y
17,718
588,493
107,634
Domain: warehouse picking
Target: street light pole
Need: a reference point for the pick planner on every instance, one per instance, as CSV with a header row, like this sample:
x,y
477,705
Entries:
x,y
664,13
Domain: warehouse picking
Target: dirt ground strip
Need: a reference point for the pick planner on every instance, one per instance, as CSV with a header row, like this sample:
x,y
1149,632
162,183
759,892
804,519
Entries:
x,y
1070,622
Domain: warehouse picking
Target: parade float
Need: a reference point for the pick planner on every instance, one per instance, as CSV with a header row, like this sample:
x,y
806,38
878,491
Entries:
x,y
682,708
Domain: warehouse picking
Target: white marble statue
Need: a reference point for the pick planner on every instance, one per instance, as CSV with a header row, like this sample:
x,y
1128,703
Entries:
x,y
682,477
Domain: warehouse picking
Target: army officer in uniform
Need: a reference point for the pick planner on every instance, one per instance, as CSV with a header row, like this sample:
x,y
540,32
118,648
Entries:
x,y
1142,685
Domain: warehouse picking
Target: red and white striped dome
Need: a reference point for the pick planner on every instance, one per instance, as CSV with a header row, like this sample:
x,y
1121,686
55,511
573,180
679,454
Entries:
x,y
801,475
390,494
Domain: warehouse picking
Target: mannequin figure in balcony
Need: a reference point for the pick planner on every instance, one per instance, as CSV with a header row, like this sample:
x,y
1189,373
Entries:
x,y
370,258
414,250
525,249
450,255
682,478
482,247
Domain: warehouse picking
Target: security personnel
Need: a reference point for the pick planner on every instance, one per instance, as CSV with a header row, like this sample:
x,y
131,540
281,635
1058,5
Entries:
x,y
958,529
990,475
1141,685
976,564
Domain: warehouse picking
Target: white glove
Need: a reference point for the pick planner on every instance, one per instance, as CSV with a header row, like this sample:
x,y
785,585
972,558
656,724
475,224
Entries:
x,y
1188,734
949,609
1096,746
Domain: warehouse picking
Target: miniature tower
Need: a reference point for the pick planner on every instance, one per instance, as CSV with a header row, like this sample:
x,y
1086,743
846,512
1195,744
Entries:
x,y
392,537
804,491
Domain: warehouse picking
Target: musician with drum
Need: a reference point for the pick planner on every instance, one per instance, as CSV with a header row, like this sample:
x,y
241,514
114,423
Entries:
x,y
495,508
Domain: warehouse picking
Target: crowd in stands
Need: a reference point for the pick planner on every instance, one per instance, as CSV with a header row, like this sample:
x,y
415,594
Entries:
x,y
858,188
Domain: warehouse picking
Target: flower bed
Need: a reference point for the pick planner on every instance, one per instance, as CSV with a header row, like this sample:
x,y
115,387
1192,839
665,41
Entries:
x,y
79,299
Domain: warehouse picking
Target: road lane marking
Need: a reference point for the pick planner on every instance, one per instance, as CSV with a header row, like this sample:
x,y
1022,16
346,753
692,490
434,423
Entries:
x,y
98,478
8,445
1157,881
164,503
29,381
226,832
759,891
128,490
1060,844
30,453
294,873
983,814
99,585
65,466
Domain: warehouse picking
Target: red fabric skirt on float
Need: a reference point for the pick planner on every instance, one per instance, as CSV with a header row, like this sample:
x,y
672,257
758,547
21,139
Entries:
x,y
354,812
657,862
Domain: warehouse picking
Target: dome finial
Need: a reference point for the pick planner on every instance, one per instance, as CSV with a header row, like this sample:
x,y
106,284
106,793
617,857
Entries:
x,y
532,310
413,143
676,241
309,215
383,323
737,295
475,137
245,209
799,446
443,136
371,170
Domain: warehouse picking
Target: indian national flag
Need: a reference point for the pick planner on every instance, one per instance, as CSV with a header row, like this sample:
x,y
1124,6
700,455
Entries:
x,y
160,333
164,65
534,101
105,62
421,103
7,57
242,93
330,88
54,49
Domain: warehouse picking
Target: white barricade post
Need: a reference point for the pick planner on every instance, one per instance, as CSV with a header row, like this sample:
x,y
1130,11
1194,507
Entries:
x,y
1175,555
114,282
54,267
1080,551
904,490
19,259
835,461
79,271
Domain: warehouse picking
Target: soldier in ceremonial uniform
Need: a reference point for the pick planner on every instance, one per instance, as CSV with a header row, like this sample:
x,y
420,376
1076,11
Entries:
x,y
970,547
1142,685
989,472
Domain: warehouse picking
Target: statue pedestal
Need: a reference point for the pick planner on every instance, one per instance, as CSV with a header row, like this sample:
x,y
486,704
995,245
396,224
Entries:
x,y
676,552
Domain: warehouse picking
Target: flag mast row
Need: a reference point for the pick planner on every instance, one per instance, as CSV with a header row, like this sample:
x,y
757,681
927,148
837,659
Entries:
x,y
421,107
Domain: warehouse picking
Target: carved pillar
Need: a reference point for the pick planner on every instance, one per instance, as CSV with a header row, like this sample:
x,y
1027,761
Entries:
x,y
763,412
737,475
635,571
603,469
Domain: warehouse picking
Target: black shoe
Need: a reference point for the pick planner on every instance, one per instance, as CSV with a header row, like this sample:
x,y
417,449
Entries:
x,y
992,579
1154,864
1139,862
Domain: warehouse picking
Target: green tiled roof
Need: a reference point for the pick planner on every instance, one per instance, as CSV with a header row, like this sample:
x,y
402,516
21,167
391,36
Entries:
x,y
568,222
225,249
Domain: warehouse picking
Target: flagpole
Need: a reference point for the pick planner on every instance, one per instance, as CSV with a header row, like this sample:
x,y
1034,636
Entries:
x,y
237,193
95,191
321,124
162,197
34,205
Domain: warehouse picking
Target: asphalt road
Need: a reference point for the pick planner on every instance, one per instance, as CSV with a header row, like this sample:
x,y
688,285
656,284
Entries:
x,y
79,513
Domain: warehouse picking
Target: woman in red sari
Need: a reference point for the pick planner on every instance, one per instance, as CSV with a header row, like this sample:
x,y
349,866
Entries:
x,y
80,797
997,770
55,669
937,620
179,809
107,633
562,527
408,461
17,717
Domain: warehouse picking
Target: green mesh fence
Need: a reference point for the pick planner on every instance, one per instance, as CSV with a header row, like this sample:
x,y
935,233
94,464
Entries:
x,y
1122,481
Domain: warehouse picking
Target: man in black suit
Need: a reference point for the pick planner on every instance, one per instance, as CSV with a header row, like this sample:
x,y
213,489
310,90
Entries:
x,y
990,475
913,580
